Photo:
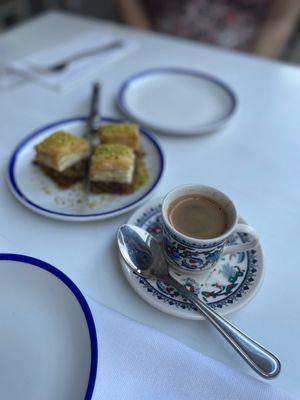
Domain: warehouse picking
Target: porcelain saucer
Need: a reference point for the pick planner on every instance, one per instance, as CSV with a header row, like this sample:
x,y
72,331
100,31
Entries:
x,y
48,338
231,284
203,103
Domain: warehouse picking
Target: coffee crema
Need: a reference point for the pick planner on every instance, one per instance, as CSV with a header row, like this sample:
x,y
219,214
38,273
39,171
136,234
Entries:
x,y
198,217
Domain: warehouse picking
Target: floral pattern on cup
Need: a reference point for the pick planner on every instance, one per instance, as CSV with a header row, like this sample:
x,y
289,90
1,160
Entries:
x,y
189,243
191,258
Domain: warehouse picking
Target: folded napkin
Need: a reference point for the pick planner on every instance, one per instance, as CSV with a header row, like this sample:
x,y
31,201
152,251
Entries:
x,y
137,362
29,66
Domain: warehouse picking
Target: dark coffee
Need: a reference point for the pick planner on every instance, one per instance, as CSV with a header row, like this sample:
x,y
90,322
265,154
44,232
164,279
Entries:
x,y
198,217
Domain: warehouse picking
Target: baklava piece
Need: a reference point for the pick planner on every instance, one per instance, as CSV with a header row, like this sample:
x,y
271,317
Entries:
x,y
123,133
112,169
63,157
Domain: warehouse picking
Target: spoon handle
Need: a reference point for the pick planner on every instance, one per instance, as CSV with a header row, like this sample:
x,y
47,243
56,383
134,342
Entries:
x,y
261,360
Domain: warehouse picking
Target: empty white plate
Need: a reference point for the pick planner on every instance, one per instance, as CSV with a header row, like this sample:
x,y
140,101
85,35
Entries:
x,y
177,101
48,341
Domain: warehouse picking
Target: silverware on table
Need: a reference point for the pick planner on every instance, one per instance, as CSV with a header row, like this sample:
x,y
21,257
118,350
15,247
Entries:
x,y
143,255
93,125
63,64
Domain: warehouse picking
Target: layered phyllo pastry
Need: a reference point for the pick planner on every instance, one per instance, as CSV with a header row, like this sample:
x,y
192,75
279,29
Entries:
x,y
124,133
112,169
63,157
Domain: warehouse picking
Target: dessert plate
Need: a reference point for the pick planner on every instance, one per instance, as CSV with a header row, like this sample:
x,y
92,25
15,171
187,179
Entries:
x,y
48,342
177,101
39,193
232,283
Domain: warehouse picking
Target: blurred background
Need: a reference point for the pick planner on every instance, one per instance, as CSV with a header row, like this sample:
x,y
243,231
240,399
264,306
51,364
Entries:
x,y
268,28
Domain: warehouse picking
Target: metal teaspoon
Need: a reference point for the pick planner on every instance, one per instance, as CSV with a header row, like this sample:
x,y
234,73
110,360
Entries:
x,y
144,256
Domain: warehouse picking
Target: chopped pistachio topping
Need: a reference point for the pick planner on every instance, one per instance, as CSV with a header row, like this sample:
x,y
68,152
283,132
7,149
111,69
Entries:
x,y
112,150
123,127
59,139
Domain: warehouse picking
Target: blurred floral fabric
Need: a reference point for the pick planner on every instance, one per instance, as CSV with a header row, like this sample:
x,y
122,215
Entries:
x,y
232,24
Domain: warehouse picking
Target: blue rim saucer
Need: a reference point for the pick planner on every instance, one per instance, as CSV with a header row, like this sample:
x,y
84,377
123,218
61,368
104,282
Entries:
x,y
31,187
234,281
56,282
138,90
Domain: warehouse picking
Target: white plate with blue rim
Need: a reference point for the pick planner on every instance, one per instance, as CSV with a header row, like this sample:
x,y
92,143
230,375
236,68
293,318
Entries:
x,y
39,193
233,282
48,341
177,101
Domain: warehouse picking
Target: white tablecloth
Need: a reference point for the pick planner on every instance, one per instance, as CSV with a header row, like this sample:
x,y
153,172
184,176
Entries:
x,y
255,160
137,362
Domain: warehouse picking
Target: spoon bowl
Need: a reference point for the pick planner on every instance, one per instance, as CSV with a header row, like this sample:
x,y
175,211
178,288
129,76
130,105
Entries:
x,y
142,252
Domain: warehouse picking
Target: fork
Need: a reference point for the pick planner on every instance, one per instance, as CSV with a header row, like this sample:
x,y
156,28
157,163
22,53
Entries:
x,y
61,65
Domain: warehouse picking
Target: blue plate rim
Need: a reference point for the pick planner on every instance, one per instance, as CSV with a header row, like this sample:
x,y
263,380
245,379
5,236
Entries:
x,y
82,302
182,71
14,186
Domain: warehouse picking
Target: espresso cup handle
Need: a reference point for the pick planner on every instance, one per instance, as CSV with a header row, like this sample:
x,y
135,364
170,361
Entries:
x,y
236,248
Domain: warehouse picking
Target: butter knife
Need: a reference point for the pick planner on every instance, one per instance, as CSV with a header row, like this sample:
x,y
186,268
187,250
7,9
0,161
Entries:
x,y
93,125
